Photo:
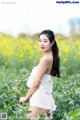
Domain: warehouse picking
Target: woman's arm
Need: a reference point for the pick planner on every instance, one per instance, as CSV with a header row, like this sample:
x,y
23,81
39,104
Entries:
x,y
42,68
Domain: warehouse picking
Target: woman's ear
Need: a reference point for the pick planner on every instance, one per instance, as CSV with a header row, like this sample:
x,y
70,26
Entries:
x,y
52,43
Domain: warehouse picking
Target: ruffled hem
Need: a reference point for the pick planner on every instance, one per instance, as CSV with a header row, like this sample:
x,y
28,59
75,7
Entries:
x,y
51,109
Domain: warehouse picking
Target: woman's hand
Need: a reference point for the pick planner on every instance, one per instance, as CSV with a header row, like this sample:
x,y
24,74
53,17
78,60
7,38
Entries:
x,y
23,99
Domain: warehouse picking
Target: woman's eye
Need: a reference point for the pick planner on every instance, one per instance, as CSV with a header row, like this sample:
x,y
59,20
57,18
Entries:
x,y
45,41
39,40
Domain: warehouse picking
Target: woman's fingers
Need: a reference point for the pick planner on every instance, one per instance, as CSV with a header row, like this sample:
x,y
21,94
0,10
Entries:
x,y
21,100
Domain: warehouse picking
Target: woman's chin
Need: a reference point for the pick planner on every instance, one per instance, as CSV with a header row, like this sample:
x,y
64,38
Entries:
x,y
42,50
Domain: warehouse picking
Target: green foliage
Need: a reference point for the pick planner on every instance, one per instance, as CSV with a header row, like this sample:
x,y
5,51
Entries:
x,y
16,66
67,94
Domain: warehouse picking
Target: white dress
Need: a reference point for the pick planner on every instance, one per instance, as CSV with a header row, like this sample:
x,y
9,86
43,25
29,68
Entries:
x,y
42,97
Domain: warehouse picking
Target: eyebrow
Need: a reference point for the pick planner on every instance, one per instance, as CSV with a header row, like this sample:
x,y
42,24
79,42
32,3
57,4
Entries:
x,y
43,39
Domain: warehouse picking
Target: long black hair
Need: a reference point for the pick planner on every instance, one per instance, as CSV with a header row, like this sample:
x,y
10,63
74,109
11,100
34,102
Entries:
x,y
55,71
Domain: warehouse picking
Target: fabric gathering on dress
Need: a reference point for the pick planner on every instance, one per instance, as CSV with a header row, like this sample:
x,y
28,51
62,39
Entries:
x,y
42,98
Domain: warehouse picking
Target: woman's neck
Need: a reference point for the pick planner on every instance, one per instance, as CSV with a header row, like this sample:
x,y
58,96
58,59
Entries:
x,y
47,53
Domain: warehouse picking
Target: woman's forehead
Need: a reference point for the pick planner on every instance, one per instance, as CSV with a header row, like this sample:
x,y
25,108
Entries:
x,y
43,36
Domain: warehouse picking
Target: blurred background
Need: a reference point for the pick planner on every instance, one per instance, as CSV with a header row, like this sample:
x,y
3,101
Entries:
x,y
21,21
32,16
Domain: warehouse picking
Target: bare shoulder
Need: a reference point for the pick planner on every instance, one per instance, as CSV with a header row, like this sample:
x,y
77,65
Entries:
x,y
46,59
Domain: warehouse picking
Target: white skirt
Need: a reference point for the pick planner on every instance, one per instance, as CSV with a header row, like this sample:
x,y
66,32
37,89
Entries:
x,y
43,100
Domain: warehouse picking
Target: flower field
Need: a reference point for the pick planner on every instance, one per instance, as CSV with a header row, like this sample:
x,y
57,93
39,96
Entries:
x,y
19,55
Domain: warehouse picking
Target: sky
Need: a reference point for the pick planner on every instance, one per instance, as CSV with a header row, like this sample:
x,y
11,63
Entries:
x,y
33,16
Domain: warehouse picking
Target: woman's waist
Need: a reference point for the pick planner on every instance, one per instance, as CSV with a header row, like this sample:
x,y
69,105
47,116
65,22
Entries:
x,y
47,90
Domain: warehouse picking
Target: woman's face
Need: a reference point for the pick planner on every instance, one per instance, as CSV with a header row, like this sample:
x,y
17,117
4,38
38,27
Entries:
x,y
44,43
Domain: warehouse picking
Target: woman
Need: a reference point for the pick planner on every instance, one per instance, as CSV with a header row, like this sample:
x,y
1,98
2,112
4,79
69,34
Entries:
x,y
40,82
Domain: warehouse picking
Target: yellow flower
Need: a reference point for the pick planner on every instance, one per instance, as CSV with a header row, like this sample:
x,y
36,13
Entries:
x,y
78,52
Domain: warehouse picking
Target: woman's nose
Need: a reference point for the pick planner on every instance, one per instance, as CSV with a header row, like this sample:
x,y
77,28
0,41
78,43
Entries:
x,y
42,43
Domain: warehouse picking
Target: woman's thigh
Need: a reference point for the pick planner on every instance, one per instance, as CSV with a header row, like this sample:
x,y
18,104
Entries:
x,y
37,111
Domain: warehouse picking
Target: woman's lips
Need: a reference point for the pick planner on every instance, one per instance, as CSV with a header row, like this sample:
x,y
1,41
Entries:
x,y
42,47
